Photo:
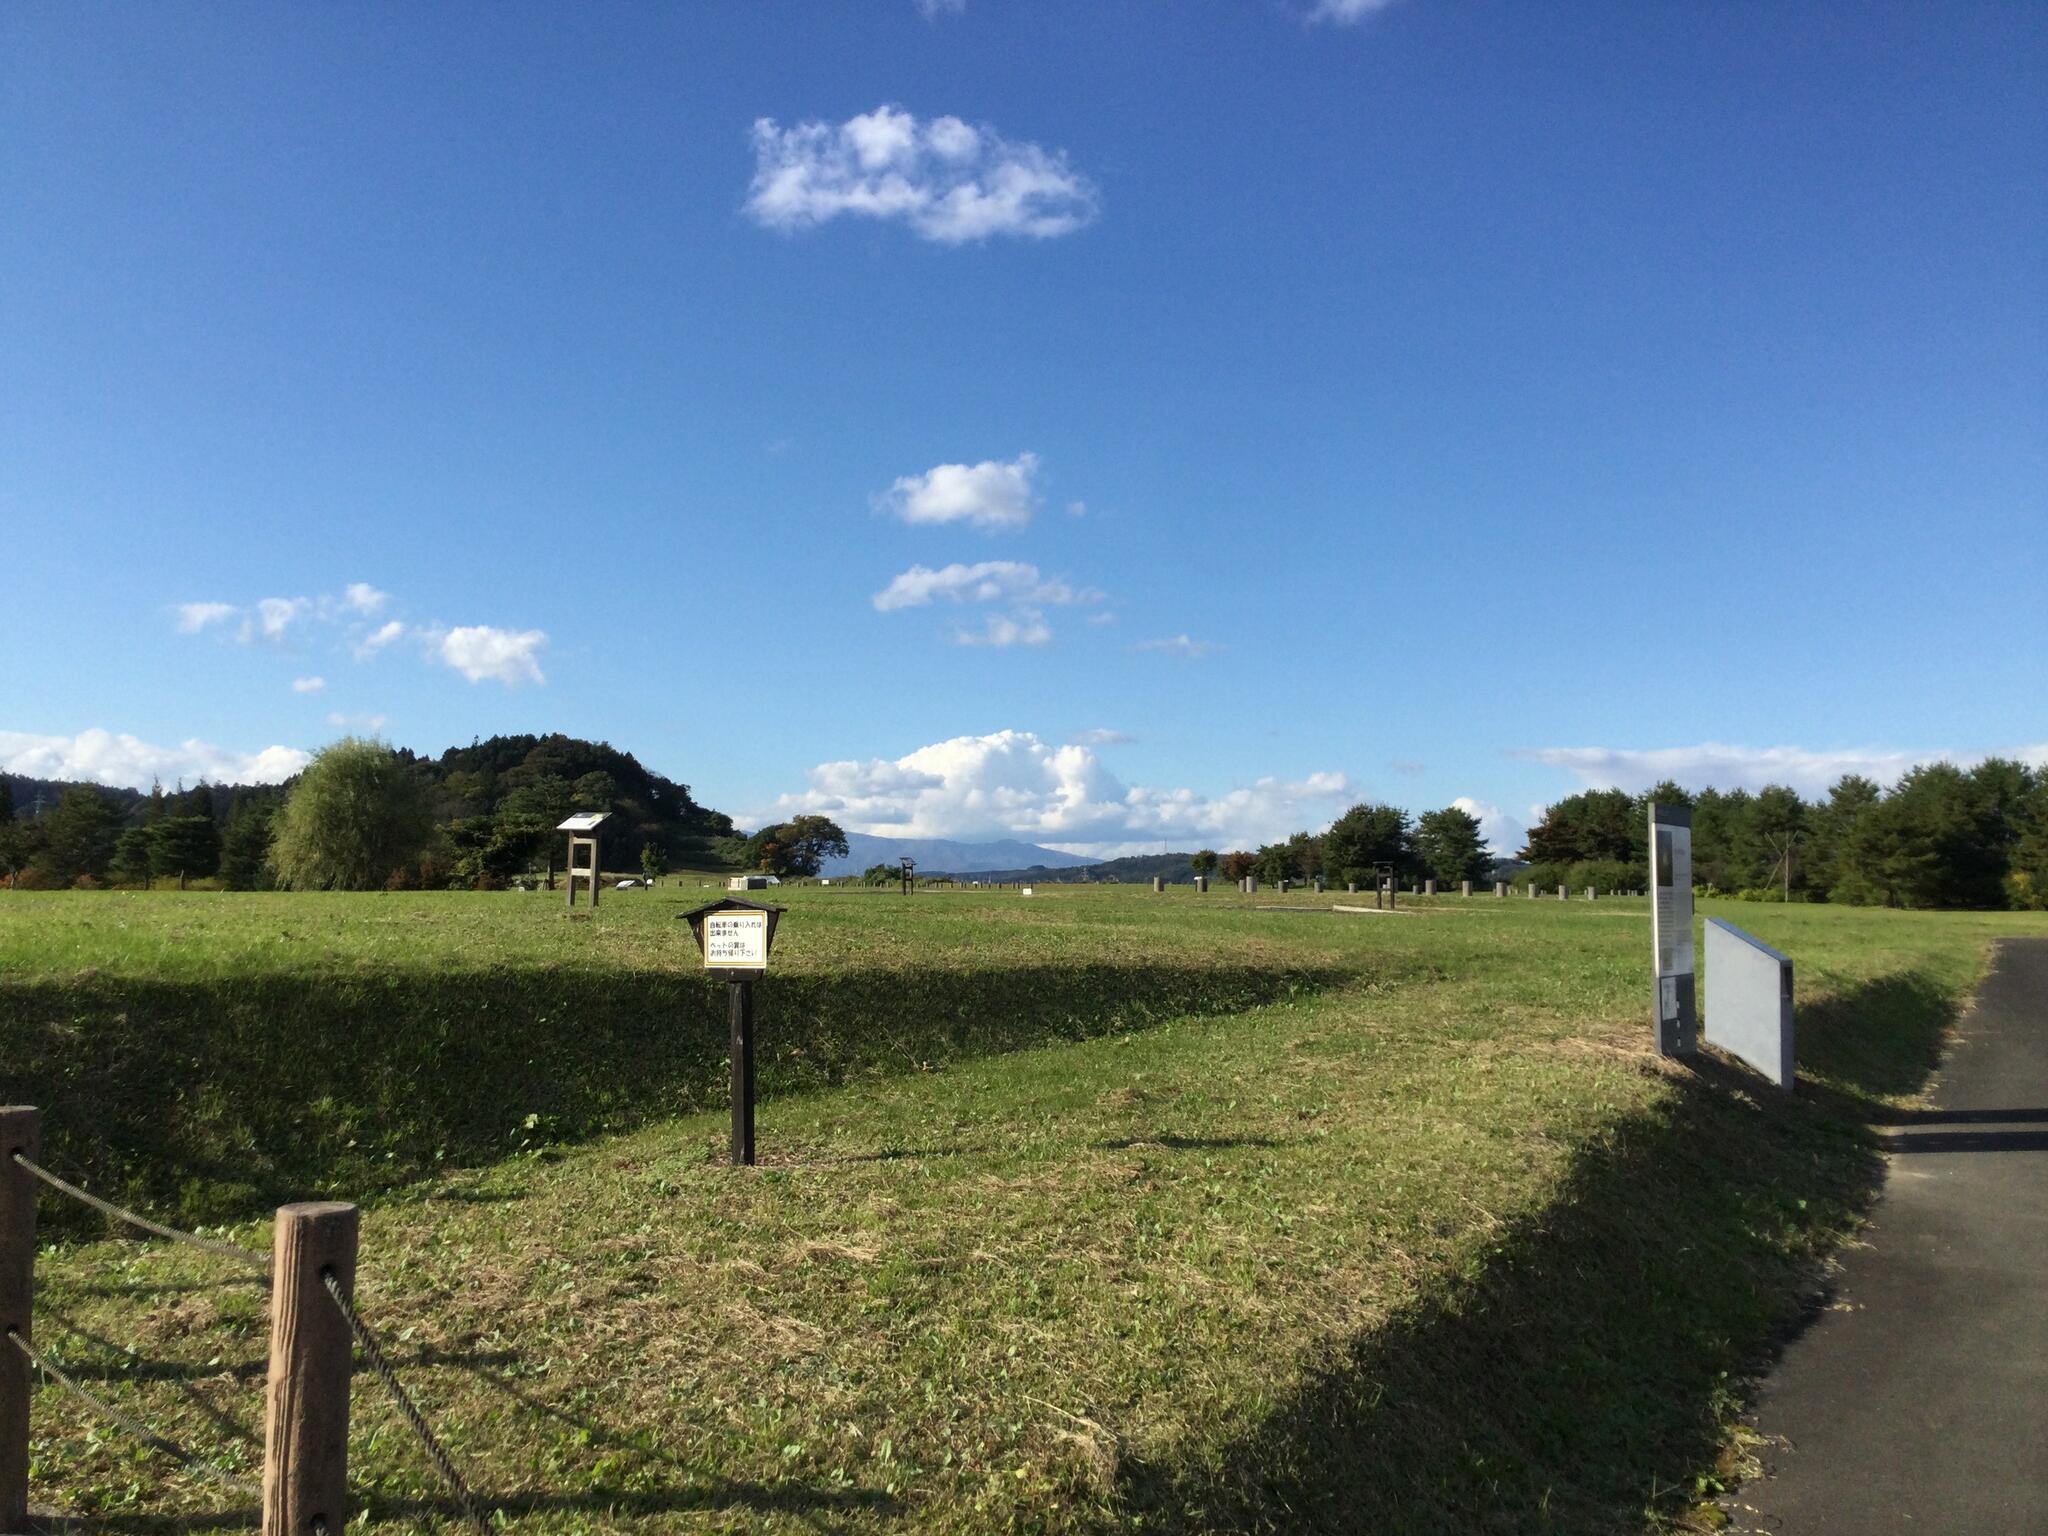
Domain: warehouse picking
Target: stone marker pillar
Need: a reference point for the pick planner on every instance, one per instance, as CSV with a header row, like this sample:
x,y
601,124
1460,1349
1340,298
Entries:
x,y
1429,887
1591,894
1350,887
1201,884
1319,885
1561,895
1532,890
1500,888
1158,884
1467,890
1283,887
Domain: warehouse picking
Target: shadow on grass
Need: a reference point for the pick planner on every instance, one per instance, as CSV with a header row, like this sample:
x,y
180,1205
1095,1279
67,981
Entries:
x,y
207,1103
1577,1377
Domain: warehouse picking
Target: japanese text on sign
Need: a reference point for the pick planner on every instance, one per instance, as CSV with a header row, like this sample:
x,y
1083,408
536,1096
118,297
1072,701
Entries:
x,y
736,940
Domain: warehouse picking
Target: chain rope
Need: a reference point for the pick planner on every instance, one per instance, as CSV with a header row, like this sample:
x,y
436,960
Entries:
x,y
135,1427
234,1251
408,1410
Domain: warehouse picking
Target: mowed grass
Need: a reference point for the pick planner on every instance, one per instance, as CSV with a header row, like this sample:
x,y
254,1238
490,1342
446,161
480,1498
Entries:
x,y
1206,1214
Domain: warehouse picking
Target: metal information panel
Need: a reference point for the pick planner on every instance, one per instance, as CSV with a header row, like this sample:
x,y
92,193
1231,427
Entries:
x,y
736,941
1676,1007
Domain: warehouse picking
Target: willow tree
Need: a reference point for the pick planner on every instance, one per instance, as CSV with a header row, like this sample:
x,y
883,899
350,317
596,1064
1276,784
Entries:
x,y
355,815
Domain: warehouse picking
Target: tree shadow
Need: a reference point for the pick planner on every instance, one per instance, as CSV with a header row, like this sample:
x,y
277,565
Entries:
x,y
1186,1143
211,1103
1580,1372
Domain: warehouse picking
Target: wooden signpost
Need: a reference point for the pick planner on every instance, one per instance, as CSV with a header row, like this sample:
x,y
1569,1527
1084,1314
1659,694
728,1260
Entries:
x,y
582,830
735,937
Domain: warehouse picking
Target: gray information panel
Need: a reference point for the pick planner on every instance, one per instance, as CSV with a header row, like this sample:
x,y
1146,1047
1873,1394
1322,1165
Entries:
x,y
1675,1007
1751,1016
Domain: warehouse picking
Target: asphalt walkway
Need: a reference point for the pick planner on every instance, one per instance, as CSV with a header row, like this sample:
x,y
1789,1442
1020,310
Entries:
x,y
1919,1400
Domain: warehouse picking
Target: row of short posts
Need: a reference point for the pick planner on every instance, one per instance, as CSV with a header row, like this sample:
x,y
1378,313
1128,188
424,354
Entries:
x,y
305,1418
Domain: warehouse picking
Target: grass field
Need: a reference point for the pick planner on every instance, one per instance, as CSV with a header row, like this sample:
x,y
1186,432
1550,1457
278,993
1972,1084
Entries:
x,y
1096,1211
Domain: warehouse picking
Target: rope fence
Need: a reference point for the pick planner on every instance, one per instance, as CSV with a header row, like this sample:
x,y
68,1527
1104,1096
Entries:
x,y
119,1213
133,1427
315,1330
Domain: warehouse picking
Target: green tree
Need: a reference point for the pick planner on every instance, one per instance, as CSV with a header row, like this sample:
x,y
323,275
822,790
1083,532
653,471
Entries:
x,y
1365,837
652,864
185,846
134,855
1273,863
13,850
1204,863
1450,845
1828,830
1237,864
2028,880
1595,824
355,815
245,845
798,847
78,836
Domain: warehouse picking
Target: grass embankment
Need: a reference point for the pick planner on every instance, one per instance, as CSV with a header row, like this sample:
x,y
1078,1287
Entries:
x,y
1420,1239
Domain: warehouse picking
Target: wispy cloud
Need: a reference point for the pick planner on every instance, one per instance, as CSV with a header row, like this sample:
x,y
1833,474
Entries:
x,y
363,722
1101,737
986,581
364,598
482,653
1346,12
308,684
991,494
193,617
1180,645
103,757
272,618
948,181
384,634
1026,626
1718,766
931,10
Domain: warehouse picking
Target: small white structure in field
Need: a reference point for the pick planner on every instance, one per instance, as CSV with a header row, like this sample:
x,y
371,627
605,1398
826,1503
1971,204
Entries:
x,y
1026,891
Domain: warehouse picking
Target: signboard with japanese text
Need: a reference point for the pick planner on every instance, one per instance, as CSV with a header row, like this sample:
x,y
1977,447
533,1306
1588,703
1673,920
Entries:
x,y
1676,990
736,941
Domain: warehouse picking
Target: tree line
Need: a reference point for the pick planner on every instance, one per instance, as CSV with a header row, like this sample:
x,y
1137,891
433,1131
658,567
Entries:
x,y
1941,837
363,816
1446,846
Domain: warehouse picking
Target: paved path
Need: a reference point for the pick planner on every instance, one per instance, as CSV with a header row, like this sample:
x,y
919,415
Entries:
x,y
1919,1401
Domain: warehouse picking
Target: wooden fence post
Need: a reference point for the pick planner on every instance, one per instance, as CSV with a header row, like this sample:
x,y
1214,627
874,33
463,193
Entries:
x,y
305,1421
20,1131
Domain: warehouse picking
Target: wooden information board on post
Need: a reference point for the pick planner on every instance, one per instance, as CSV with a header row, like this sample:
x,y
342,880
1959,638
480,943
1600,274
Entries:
x,y
582,830
736,937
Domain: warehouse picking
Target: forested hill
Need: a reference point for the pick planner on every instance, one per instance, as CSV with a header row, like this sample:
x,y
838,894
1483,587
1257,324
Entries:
x,y
1172,867
494,805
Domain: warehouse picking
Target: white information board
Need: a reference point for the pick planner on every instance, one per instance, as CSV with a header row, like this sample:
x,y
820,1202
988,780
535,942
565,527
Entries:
x,y
736,941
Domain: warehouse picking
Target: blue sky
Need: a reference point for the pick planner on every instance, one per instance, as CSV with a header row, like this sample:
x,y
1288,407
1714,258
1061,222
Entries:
x,y
1117,424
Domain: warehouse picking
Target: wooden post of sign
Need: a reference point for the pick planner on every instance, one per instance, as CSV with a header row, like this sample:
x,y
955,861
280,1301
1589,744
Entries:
x,y
305,1420
739,1015
20,1132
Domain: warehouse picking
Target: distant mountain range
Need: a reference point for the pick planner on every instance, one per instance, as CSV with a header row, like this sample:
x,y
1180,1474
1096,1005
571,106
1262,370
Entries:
x,y
939,855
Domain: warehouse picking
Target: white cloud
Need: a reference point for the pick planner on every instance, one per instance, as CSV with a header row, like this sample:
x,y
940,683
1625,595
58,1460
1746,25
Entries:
x,y
986,581
1100,737
1712,765
357,722
1101,618
308,684
378,638
931,10
1346,12
990,494
480,652
1026,626
1077,509
101,757
1180,645
947,180
364,598
273,616
1503,834
1012,784
193,617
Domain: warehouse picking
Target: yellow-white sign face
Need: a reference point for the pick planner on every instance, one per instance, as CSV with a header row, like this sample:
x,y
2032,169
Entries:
x,y
736,941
